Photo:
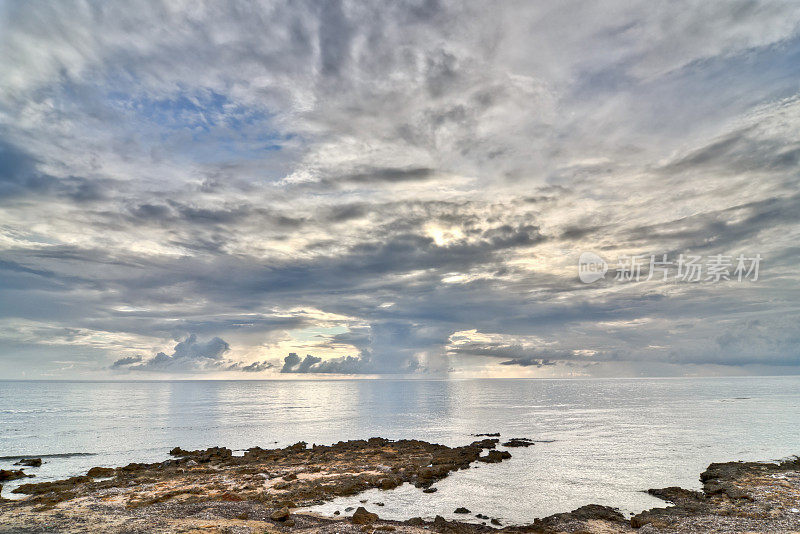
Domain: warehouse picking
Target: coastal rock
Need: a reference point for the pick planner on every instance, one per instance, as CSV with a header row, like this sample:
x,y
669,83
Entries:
x,y
590,512
212,454
519,442
362,517
495,457
30,462
430,490
461,510
101,472
280,515
494,435
12,474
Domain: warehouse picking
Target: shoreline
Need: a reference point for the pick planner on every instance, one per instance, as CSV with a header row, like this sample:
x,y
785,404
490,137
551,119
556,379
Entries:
x,y
270,490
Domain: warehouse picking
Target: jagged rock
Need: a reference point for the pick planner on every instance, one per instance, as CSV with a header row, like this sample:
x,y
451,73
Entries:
x,y
290,477
30,462
280,515
362,517
461,510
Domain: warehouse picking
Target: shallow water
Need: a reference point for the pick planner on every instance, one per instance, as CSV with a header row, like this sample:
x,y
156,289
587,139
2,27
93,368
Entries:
x,y
608,438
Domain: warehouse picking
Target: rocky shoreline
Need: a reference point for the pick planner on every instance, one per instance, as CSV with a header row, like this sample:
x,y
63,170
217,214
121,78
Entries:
x,y
215,491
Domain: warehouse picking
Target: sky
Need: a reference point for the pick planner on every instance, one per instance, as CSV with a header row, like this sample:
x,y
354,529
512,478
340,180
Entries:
x,y
400,188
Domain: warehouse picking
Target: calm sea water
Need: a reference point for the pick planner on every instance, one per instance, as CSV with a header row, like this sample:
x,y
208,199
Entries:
x,y
603,441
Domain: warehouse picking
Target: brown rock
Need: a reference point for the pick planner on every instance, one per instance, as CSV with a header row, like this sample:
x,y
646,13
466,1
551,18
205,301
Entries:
x,y
280,515
11,474
495,457
101,472
362,517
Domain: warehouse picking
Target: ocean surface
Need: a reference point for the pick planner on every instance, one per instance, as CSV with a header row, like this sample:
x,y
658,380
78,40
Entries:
x,y
600,441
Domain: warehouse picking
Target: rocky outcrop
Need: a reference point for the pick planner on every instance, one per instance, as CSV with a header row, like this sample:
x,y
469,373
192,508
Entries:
x,y
495,457
590,512
30,462
281,514
212,454
12,474
519,442
362,517
101,472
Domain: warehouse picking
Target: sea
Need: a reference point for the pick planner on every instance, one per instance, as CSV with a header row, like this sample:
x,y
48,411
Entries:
x,y
603,441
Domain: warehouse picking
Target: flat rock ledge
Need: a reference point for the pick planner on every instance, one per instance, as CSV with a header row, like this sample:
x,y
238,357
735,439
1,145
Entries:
x,y
215,491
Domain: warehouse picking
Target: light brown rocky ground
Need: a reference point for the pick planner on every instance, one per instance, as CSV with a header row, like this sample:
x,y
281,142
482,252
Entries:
x,y
213,491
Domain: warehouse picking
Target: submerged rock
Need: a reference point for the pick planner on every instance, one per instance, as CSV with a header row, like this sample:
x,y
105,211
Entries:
x,y
518,442
30,462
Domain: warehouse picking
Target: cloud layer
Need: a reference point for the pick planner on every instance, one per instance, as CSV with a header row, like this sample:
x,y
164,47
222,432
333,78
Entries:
x,y
394,187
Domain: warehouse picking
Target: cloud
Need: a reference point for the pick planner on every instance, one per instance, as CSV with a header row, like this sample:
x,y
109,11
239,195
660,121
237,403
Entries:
x,y
128,360
257,367
189,355
527,362
362,182
346,365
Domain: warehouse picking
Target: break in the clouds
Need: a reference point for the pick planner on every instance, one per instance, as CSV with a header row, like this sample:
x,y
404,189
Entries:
x,y
394,187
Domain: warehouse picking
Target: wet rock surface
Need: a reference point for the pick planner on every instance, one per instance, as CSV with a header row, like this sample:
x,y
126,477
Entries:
x,y
214,491
30,462
519,442
12,474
